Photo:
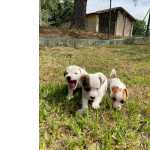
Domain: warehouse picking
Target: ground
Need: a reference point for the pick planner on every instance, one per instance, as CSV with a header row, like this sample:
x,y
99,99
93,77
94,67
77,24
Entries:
x,y
66,32
105,129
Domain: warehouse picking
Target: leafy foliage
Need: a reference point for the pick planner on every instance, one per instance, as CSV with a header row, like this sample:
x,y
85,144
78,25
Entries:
x,y
139,27
56,12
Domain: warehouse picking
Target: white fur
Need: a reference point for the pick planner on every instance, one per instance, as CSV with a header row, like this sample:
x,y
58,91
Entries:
x,y
74,72
98,84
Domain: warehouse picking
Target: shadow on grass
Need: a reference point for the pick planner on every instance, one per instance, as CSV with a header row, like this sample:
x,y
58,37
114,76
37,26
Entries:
x,y
56,96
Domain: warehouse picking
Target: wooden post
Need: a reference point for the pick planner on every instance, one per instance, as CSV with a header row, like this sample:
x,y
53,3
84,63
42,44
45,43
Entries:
x,y
109,21
97,23
148,26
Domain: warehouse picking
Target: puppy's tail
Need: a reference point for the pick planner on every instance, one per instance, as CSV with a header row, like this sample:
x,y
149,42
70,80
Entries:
x,y
113,74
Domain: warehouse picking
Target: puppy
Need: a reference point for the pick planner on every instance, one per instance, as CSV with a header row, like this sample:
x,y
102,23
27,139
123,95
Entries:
x,y
94,87
72,75
118,90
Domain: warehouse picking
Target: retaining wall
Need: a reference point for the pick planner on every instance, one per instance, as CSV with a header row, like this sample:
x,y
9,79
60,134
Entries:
x,y
75,42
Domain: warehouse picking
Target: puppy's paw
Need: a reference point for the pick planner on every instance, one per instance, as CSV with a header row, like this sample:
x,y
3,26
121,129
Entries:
x,y
69,97
95,105
81,111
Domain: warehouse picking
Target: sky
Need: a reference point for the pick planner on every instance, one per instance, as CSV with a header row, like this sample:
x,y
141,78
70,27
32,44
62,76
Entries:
x,y
138,11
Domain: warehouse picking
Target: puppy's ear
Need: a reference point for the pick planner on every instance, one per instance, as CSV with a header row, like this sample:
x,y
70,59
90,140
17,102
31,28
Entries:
x,y
82,71
102,80
65,72
125,91
115,89
84,80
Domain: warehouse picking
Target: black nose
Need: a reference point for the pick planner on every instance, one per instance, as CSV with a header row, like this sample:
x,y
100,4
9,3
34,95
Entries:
x,y
68,78
92,97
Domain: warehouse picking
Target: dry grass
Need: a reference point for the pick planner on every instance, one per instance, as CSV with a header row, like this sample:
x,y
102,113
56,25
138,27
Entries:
x,y
66,32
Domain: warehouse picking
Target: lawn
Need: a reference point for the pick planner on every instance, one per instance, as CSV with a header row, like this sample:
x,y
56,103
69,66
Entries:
x,y
61,128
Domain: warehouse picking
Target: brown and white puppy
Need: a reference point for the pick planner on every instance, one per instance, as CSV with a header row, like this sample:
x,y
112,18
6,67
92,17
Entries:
x,y
118,90
72,75
94,87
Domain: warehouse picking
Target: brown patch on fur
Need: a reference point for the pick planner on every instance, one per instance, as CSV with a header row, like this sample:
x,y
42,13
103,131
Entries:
x,y
85,82
115,89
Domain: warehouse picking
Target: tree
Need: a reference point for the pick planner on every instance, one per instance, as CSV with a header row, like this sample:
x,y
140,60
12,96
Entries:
x,y
78,20
139,27
63,14
55,12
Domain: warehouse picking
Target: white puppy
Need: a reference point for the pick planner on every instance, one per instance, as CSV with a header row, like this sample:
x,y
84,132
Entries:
x,y
118,90
94,87
72,74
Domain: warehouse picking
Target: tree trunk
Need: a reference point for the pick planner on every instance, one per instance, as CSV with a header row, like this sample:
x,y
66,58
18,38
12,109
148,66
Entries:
x,y
79,16
40,13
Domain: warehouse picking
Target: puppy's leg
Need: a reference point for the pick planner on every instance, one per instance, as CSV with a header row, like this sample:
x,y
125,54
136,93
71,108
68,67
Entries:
x,y
96,103
84,105
70,93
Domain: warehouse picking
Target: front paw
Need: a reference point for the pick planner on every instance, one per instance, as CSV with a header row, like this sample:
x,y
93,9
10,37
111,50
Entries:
x,y
82,110
69,97
95,105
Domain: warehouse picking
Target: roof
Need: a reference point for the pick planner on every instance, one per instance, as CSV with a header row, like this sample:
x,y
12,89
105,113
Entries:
x,y
113,9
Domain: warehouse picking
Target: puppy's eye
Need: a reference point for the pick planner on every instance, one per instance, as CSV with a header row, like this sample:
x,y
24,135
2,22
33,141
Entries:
x,y
97,89
122,101
76,73
114,99
87,89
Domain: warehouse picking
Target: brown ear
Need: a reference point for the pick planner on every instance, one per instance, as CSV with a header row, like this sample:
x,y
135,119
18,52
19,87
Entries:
x,y
85,80
114,89
125,91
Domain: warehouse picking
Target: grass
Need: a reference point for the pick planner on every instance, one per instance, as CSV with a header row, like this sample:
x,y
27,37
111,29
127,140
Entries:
x,y
104,129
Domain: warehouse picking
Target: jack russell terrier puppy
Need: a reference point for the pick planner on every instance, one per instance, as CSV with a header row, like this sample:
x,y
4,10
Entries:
x,y
94,87
118,90
73,74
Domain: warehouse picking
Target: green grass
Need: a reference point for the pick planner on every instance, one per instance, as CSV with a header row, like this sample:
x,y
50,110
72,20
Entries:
x,y
105,129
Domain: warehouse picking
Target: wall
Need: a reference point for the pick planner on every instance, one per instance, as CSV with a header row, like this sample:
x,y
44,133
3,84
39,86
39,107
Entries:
x,y
76,43
128,27
91,22
124,25
119,24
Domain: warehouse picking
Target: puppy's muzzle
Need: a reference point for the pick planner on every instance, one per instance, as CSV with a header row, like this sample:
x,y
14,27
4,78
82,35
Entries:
x,y
68,78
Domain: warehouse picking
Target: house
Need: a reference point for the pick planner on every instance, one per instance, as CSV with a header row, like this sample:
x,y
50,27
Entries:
x,y
121,22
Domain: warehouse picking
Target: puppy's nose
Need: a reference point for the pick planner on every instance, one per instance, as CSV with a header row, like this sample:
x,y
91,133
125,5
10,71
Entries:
x,y
92,97
68,78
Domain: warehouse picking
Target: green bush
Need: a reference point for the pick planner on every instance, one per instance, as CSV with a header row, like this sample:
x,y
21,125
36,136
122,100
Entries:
x,y
139,27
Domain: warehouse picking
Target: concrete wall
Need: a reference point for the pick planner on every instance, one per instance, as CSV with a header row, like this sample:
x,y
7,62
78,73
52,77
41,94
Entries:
x,y
91,22
119,24
77,43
